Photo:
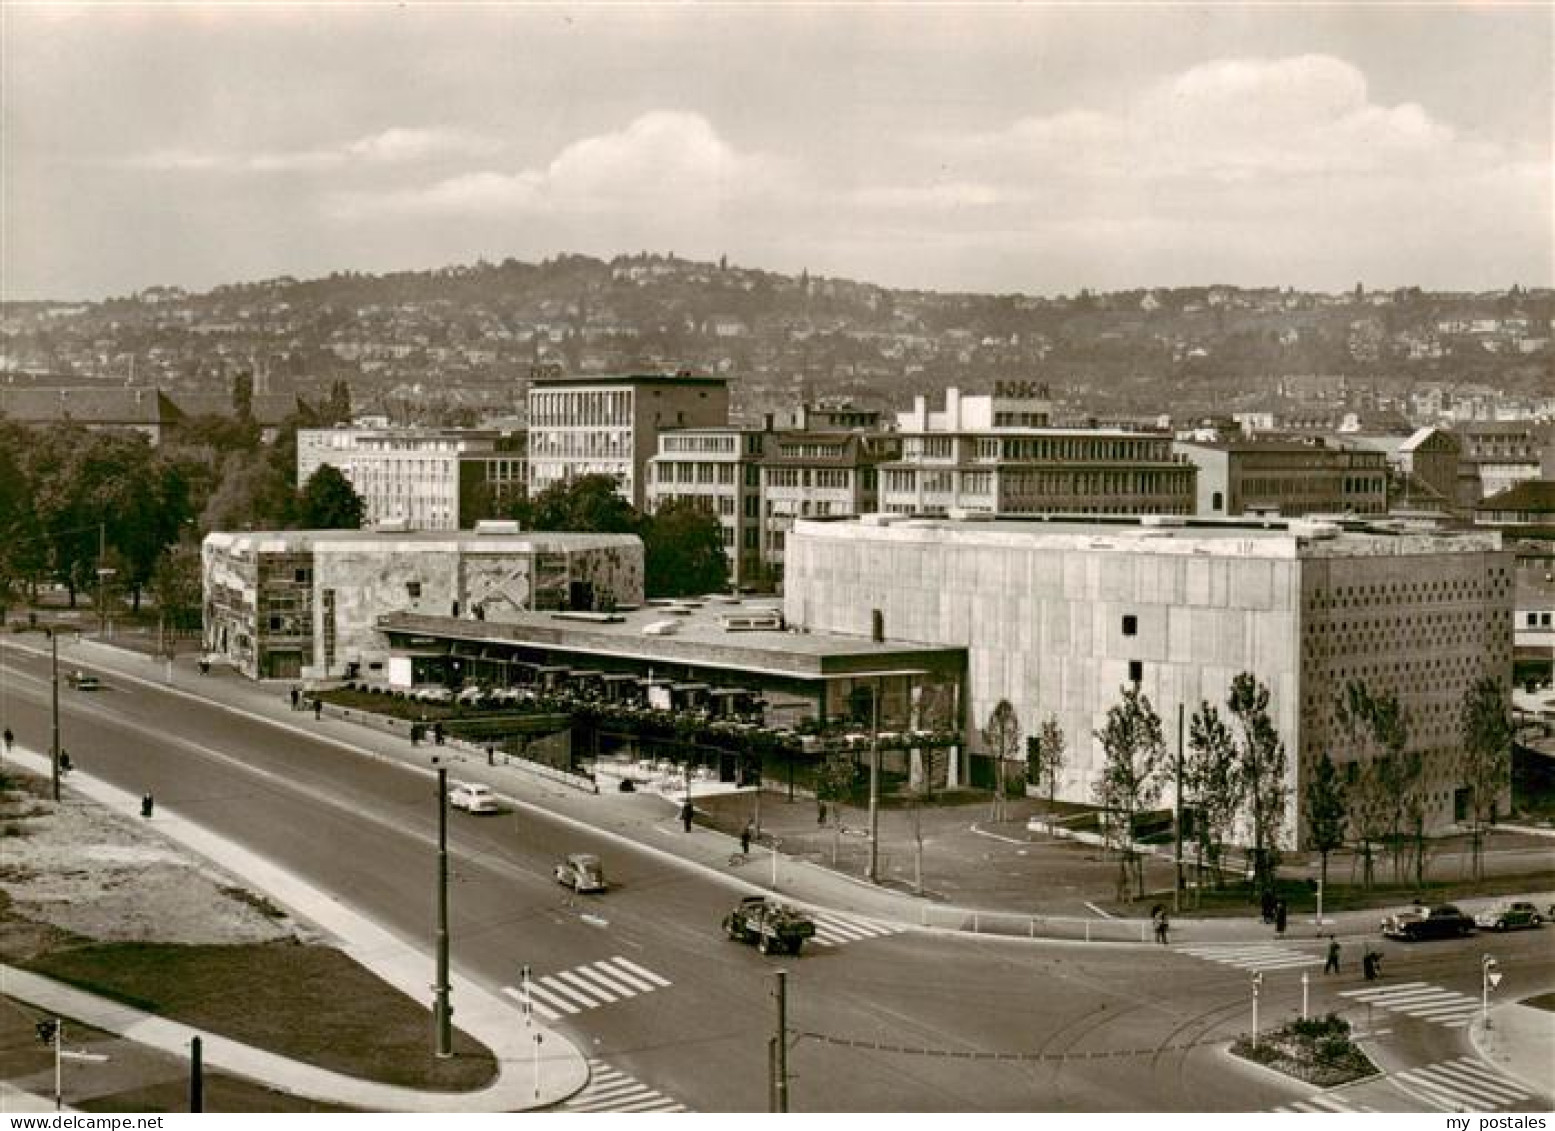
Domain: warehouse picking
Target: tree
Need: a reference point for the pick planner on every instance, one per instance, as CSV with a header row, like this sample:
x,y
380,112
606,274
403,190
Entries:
x,y
1261,768
1002,738
1130,780
1485,730
243,396
683,550
1049,755
176,589
329,502
1375,723
1211,782
252,493
588,504
834,780
1327,809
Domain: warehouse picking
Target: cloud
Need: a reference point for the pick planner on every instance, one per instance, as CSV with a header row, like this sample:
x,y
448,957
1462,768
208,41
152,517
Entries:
x,y
666,161
394,146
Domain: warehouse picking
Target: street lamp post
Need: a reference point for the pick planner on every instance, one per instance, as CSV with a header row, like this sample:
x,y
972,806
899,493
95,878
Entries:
x,y
442,1010
54,707
874,784
1257,983
1489,979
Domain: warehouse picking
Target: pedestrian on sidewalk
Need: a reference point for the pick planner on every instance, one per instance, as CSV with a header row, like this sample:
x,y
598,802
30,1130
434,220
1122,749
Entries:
x,y
491,755
437,733
415,734
820,811
1280,917
1267,905
9,738
1332,965
745,839
318,708
296,696
686,814
148,805
1162,926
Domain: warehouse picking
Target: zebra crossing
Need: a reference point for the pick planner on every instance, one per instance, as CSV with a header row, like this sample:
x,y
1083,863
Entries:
x,y
1253,956
833,929
1421,1000
1464,1084
609,1089
589,986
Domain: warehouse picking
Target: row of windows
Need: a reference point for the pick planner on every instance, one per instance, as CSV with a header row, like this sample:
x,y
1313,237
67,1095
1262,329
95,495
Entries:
x,y
578,408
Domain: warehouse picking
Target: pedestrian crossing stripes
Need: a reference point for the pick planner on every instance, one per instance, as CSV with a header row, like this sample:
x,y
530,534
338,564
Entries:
x,y
612,1090
590,986
1464,1084
832,929
1421,1000
1253,956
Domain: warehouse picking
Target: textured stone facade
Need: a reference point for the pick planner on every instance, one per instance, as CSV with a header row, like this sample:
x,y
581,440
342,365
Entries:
x,y
1057,617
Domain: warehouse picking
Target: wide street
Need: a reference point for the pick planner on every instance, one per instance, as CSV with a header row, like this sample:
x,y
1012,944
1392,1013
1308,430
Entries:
x,y
893,1020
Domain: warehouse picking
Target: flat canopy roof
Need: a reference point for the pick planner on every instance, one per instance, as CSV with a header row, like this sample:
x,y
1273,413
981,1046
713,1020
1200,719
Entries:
x,y
699,640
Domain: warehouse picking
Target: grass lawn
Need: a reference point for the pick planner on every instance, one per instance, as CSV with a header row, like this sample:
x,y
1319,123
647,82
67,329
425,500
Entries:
x,y
311,1003
1318,1051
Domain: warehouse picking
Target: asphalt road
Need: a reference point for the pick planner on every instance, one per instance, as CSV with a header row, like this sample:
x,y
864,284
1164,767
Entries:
x,y
904,1022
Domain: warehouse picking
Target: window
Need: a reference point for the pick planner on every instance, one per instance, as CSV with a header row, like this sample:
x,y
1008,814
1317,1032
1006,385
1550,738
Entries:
x,y
413,589
1217,502
1130,625
1136,671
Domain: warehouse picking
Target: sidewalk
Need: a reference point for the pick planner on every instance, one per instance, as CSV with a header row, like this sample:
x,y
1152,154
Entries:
x,y
1520,1042
649,821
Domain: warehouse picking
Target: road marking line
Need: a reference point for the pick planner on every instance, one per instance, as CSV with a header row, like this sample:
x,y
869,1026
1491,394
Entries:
x,y
1098,911
1467,1066
641,970
1451,1073
1372,991
622,975
559,1001
1454,1100
565,992
585,985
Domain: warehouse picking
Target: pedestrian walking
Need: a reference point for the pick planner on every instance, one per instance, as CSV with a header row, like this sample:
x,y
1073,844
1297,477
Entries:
x,y
147,805
820,811
745,839
9,739
65,764
686,814
1267,906
1162,926
437,733
491,755
1332,965
1371,965
296,697
415,734
318,708
1280,914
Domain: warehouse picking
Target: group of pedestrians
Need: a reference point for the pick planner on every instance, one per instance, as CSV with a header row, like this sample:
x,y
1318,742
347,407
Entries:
x,y
1275,911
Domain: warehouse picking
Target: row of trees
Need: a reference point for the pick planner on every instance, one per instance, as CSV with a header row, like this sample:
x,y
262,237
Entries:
x,y
78,507
1381,799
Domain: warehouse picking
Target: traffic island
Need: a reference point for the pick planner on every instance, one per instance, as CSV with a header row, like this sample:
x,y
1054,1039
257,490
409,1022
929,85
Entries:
x,y
1316,1051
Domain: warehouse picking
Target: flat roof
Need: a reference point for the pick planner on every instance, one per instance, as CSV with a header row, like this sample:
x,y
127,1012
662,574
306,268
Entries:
x,y
278,541
699,640
629,379
1309,537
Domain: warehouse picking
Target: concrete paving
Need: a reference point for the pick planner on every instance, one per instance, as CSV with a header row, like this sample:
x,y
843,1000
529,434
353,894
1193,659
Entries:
x,y
1520,1041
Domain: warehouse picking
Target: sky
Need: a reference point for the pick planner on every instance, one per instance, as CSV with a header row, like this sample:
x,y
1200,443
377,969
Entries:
x,y
997,148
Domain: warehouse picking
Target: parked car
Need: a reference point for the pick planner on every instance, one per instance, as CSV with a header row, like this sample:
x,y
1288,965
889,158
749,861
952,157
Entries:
x,y
472,797
1442,922
581,871
81,681
1509,916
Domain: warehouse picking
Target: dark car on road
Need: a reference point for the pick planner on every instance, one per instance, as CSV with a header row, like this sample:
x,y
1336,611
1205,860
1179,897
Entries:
x,y
1442,922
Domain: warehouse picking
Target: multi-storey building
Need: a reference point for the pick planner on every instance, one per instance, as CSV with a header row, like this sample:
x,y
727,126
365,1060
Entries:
x,y
805,474
1057,616
1290,478
995,455
284,604
1506,453
418,478
718,469
611,425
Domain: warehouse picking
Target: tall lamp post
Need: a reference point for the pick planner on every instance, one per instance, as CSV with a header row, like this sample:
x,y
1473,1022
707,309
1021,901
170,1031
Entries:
x,y
442,1010
54,707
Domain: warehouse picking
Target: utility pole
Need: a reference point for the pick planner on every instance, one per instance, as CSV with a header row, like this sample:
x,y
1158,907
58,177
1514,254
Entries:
x,y
54,707
196,1075
442,1011
780,1044
874,784
102,581
1177,821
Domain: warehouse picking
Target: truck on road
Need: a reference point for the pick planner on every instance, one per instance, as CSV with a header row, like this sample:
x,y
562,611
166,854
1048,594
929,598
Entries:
x,y
774,927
